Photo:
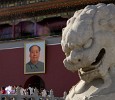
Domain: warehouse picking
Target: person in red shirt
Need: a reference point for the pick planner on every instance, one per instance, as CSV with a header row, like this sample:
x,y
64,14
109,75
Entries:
x,y
3,91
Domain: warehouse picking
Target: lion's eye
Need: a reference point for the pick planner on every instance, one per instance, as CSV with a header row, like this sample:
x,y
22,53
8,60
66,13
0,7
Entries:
x,y
88,43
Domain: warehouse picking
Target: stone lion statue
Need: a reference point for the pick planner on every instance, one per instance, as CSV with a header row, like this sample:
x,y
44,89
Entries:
x,y
88,41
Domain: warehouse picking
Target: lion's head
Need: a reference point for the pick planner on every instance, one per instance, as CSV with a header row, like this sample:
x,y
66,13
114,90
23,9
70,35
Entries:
x,y
88,40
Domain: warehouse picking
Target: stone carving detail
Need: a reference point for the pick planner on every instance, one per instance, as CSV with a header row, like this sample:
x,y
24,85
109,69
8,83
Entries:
x,y
88,41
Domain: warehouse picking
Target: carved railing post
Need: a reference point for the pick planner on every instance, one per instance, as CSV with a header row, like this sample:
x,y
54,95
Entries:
x,y
51,94
0,97
36,94
18,93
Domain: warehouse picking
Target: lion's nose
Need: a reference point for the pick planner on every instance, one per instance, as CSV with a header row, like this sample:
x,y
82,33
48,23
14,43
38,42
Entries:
x,y
79,60
76,57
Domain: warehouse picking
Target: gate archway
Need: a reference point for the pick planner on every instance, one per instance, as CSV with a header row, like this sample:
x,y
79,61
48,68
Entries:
x,y
35,81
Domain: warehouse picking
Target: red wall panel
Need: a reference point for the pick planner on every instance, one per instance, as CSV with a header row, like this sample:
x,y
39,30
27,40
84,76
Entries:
x,y
57,77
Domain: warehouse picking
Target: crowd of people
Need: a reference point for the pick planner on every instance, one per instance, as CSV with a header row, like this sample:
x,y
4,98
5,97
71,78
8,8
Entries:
x,y
28,91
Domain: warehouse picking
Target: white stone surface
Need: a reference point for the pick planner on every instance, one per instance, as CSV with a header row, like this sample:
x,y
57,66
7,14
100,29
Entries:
x,y
88,43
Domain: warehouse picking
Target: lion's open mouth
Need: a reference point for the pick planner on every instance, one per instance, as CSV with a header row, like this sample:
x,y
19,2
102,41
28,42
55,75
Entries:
x,y
99,57
97,61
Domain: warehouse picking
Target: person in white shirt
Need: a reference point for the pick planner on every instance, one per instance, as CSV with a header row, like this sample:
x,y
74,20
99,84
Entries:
x,y
44,93
22,91
30,90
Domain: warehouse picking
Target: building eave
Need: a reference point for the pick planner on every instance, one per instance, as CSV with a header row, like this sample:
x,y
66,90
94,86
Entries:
x,y
45,8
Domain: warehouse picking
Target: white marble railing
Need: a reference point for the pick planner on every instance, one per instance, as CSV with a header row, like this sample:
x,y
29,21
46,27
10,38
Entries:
x,y
35,96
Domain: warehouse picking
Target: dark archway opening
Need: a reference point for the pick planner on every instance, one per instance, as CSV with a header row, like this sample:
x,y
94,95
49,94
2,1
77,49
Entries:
x,y
35,81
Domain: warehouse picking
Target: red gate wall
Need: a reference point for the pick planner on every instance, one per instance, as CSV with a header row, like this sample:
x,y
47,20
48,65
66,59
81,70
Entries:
x,y
57,77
